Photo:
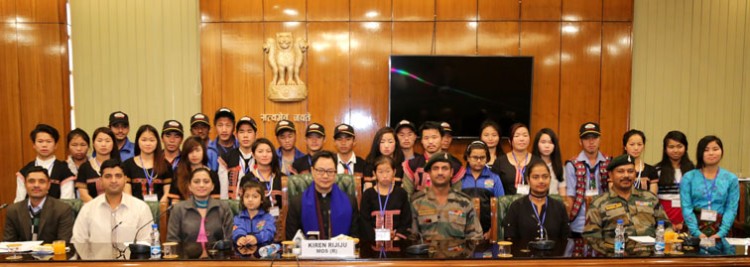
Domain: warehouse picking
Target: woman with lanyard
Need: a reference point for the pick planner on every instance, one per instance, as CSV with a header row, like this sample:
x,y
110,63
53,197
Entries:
x,y
511,166
193,156
87,181
674,163
78,147
480,182
547,147
201,218
150,174
634,143
537,216
267,171
384,200
385,143
236,163
490,134
709,196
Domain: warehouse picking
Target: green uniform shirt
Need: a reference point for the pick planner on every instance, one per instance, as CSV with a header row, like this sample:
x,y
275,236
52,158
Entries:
x,y
454,220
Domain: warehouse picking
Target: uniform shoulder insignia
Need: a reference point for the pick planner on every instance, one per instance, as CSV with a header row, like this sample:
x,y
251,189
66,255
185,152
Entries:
x,y
461,194
417,195
612,206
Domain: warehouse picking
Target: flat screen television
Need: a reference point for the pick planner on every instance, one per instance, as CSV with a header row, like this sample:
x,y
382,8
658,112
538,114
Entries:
x,y
461,90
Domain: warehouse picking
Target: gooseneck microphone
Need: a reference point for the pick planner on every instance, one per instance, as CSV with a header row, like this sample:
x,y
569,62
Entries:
x,y
136,248
4,205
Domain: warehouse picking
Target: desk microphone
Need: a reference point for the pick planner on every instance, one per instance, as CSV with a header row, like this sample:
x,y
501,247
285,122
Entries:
x,y
4,205
543,243
136,248
418,249
223,244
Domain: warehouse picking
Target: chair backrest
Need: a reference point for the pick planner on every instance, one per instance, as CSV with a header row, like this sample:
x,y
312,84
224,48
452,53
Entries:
x,y
75,205
503,203
234,205
300,182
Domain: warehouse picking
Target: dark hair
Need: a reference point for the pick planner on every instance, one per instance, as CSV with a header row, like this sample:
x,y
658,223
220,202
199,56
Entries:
x,y
476,145
493,124
115,153
160,164
629,134
275,166
78,132
110,163
555,157
398,154
265,203
37,169
383,159
702,144
201,169
184,173
44,128
431,125
533,165
322,154
514,128
666,176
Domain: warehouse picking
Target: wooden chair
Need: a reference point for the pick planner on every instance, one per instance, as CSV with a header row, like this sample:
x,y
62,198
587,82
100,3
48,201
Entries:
x,y
503,204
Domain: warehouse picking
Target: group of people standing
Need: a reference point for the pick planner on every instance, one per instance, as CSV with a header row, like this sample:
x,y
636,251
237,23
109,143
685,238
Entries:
x,y
406,194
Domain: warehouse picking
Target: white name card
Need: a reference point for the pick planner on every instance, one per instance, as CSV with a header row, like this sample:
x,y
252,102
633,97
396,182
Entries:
x,y
324,249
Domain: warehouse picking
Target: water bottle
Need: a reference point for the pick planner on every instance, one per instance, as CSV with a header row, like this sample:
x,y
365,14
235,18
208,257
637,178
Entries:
x,y
659,244
269,250
155,242
620,239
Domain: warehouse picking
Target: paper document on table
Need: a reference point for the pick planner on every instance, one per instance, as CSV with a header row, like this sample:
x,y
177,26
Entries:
x,y
25,245
643,239
737,241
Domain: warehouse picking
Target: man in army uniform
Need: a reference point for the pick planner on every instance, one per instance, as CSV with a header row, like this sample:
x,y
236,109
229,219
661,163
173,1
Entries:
x,y
639,210
440,213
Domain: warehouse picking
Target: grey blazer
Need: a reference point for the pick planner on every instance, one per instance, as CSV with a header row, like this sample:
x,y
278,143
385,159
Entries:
x,y
55,222
185,221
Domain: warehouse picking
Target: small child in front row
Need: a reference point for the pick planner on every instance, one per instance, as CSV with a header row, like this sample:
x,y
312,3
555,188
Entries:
x,y
254,225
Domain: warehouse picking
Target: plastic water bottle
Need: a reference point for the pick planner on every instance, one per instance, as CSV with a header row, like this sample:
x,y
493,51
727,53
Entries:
x,y
620,239
155,242
269,250
659,244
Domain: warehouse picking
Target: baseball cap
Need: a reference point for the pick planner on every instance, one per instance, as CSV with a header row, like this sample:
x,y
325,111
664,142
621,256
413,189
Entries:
x,y
406,123
283,125
589,128
315,128
247,120
446,127
199,118
172,126
224,113
118,117
343,129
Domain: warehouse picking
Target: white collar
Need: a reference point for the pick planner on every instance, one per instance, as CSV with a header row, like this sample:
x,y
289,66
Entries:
x,y
352,159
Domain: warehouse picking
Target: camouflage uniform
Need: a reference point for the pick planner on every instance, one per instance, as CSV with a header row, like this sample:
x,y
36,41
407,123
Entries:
x,y
639,214
454,220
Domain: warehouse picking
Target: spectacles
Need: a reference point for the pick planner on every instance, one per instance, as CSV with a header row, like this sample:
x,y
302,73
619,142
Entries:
x,y
478,158
324,172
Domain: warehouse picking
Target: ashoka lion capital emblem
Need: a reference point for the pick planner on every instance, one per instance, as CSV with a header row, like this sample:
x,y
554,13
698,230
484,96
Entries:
x,y
285,55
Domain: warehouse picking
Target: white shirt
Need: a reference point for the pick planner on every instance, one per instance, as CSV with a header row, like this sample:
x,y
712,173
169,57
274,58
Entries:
x,y
340,167
96,220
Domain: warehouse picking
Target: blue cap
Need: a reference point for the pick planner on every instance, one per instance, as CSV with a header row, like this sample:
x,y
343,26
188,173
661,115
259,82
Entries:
x,y
619,221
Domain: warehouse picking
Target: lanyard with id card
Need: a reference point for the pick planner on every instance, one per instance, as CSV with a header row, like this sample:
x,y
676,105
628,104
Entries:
x,y
709,215
149,195
273,210
382,233
521,188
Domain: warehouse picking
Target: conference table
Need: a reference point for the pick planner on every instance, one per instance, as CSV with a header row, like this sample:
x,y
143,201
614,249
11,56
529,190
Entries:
x,y
439,253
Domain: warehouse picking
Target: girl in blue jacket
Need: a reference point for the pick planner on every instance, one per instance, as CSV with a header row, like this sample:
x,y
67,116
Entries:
x,y
254,225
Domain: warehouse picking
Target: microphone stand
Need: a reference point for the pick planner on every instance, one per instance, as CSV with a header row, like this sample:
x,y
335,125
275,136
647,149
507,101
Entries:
x,y
136,248
418,249
4,205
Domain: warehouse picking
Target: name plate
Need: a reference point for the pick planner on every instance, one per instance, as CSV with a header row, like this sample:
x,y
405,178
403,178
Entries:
x,y
324,249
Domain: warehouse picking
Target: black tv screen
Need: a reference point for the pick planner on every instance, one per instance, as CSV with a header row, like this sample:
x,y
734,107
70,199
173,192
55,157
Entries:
x,y
461,90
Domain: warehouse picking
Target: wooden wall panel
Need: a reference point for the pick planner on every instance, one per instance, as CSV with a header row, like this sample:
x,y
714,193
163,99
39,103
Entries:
x,y
498,38
413,10
284,10
615,88
535,40
40,11
579,81
456,9
412,38
582,10
328,78
242,69
10,109
7,11
371,10
456,38
499,9
617,10
370,51
210,10
211,68
328,10
541,10
241,10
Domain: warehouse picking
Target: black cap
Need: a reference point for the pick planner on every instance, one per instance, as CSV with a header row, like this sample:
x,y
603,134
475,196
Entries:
x,y
446,127
247,120
199,118
315,128
224,113
405,123
437,157
284,125
623,159
343,129
118,117
589,128
172,126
